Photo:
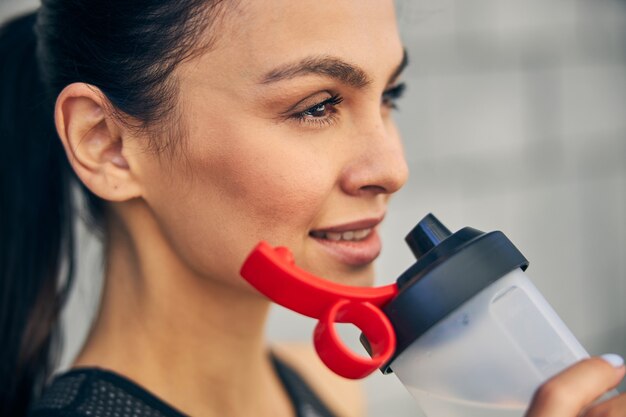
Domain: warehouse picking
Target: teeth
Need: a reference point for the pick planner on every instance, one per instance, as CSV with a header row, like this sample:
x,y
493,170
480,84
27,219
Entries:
x,y
360,234
350,235
347,235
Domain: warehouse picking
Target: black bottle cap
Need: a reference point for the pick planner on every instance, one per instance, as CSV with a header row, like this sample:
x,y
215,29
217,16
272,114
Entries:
x,y
450,269
428,233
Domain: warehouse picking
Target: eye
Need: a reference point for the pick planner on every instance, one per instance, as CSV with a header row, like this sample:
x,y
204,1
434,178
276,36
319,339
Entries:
x,y
392,95
320,113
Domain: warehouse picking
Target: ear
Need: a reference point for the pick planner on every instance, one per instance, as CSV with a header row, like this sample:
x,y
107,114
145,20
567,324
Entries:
x,y
95,143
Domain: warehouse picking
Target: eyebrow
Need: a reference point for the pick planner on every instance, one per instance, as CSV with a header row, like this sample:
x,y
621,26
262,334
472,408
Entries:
x,y
331,67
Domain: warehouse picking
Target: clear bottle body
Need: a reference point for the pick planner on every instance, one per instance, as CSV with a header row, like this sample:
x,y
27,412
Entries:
x,y
487,357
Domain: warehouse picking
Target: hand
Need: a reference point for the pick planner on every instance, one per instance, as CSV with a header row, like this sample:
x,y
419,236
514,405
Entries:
x,y
572,392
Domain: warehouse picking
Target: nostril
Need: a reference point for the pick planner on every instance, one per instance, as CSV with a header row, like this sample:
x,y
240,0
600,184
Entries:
x,y
374,189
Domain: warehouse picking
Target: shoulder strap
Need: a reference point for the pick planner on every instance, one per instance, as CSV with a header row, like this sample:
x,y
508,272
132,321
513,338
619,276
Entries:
x,y
304,400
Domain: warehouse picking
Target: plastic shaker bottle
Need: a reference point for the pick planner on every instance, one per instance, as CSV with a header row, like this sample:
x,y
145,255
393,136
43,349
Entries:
x,y
474,335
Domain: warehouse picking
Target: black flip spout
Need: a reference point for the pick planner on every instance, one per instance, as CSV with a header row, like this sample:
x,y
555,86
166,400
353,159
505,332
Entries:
x,y
428,233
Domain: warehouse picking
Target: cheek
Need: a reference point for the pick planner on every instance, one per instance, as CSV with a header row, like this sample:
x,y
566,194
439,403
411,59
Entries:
x,y
231,193
270,190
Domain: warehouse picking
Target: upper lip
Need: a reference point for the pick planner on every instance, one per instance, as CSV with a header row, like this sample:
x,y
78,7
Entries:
x,y
356,225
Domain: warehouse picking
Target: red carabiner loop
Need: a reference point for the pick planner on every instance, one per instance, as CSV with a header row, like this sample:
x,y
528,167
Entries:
x,y
274,273
374,325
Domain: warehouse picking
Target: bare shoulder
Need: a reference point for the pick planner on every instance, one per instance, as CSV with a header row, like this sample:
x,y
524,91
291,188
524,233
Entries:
x,y
343,396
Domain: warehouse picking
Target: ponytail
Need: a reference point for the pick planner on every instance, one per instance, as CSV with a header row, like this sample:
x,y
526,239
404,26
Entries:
x,y
35,222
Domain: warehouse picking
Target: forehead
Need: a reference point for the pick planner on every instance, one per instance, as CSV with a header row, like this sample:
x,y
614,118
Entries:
x,y
255,36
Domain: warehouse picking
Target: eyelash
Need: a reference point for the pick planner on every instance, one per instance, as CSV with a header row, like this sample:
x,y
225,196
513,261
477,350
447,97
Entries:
x,y
388,99
392,95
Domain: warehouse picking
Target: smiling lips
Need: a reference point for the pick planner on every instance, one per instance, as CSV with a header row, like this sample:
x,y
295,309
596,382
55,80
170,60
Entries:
x,y
355,243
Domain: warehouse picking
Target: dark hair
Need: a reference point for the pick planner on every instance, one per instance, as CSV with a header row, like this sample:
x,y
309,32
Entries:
x,y
128,50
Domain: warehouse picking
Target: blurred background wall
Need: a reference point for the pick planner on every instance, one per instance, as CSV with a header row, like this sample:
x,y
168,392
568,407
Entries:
x,y
515,119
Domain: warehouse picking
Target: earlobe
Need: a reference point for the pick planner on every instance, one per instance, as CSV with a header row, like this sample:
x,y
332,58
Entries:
x,y
95,143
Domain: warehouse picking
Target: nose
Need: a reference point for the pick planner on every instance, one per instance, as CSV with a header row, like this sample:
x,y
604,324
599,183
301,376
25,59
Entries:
x,y
377,164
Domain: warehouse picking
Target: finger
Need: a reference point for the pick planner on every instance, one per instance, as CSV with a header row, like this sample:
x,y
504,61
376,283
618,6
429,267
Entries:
x,y
615,407
567,394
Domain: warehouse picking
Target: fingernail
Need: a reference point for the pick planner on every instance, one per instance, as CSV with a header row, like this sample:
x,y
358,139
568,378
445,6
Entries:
x,y
616,361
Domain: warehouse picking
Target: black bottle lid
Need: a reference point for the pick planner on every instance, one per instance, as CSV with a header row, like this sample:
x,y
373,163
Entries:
x,y
450,269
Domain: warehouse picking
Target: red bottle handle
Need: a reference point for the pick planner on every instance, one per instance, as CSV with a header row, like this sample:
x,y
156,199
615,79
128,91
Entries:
x,y
272,271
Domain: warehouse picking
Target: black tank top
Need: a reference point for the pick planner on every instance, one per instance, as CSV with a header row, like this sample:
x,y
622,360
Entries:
x,y
94,392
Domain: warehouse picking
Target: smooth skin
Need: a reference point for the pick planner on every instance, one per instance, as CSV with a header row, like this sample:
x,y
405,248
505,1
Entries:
x,y
254,156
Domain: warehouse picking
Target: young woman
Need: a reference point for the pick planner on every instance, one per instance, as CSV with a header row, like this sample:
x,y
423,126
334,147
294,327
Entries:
x,y
196,128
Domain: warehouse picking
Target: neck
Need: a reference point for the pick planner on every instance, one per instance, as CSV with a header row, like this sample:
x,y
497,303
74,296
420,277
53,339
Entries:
x,y
194,341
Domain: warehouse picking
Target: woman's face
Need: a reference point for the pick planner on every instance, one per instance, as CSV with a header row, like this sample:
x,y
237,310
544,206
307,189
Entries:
x,y
289,139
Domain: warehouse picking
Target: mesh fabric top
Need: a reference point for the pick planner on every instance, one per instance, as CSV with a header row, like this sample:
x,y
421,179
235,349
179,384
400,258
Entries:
x,y
93,392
